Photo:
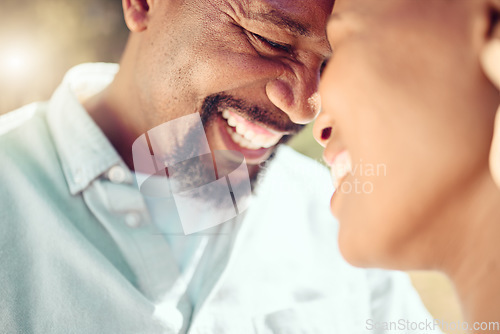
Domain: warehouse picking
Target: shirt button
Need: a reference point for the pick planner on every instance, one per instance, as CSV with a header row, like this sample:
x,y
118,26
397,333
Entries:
x,y
116,174
133,220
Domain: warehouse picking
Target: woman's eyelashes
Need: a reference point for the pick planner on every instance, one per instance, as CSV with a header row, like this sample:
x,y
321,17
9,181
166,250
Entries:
x,y
323,66
273,45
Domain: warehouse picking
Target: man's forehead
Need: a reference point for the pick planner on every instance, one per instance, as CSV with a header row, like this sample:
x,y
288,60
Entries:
x,y
282,20
299,17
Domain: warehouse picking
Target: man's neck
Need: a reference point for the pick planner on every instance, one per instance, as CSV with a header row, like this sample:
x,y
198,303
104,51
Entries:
x,y
115,109
112,122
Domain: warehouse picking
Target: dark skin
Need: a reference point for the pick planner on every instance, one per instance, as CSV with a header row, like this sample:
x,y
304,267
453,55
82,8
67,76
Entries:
x,y
265,53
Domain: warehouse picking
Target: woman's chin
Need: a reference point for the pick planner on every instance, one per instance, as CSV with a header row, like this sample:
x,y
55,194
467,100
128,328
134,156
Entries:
x,y
369,237
366,250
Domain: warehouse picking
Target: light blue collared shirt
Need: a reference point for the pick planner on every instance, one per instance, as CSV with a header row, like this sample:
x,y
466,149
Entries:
x,y
80,253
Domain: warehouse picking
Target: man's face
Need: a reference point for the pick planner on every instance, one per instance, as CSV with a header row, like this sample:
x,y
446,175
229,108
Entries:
x,y
408,101
251,68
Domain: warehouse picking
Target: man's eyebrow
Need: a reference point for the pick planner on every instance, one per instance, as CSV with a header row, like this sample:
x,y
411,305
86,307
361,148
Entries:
x,y
281,20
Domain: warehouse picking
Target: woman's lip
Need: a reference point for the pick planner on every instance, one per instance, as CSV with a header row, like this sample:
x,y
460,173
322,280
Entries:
x,y
330,157
340,167
251,156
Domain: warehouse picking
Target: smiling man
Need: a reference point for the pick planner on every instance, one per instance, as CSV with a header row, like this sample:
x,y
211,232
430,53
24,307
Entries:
x,y
83,250
250,68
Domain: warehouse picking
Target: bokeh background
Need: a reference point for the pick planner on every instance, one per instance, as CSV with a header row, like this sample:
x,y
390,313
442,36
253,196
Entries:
x,y
41,39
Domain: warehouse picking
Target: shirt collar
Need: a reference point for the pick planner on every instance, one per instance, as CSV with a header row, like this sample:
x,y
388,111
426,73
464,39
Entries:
x,y
83,149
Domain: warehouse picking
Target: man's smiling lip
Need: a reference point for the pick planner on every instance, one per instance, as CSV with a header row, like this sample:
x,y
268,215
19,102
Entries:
x,y
252,156
259,128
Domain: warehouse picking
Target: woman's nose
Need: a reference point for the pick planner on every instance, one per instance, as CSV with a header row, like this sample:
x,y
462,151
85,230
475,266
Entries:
x,y
322,129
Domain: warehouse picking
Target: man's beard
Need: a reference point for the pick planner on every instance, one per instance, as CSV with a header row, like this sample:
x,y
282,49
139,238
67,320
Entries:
x,y
190,175
197,174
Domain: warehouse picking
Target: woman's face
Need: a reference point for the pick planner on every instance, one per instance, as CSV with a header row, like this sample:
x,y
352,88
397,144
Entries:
x,y
409,103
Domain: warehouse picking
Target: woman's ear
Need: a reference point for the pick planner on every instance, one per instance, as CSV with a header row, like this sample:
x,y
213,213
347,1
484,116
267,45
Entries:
x,y
490,62
136,13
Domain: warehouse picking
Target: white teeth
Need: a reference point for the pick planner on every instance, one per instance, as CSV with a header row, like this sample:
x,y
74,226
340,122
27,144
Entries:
x,y
263,140
241,128
341,166
246,137
250,135
231,121
243,142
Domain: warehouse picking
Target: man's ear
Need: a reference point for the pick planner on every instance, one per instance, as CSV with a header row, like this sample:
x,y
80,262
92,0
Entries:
x,y
136,13
490,62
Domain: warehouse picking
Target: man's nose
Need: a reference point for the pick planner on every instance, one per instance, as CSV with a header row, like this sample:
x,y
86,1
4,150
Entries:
x,y
295,92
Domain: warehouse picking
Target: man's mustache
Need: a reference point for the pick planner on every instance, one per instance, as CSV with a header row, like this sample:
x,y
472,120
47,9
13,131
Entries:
x,y
218,102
